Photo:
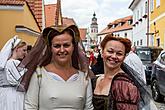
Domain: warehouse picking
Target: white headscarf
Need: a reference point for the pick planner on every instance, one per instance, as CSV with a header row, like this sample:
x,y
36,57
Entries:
x,y
6,51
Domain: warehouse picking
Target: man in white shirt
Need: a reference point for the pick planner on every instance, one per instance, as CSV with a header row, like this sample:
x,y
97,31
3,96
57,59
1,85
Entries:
x,y
136,64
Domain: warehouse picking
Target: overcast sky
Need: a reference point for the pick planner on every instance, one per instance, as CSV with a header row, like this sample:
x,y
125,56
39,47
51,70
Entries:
x,y
82,11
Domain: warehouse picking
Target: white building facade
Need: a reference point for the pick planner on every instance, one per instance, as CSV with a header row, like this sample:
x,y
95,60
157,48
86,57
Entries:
x,y
124,33
140,22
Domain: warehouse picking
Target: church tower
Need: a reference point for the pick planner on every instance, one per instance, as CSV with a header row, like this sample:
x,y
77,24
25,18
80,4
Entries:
x,y
94,29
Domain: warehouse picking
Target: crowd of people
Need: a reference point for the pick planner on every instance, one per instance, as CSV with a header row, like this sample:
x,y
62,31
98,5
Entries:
x,y
55,74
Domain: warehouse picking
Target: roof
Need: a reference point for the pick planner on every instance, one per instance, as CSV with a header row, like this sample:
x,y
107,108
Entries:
x,y
133,4
83,32
50,11
68,21
51,14
124,25
35,7
11,2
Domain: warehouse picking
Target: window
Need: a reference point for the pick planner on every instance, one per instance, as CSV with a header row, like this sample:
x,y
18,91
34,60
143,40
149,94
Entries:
x,y
134,43
152,40
130,22
141,42
125,35
137,43
146,7
121,23
157,3
152,5
158,42
138,14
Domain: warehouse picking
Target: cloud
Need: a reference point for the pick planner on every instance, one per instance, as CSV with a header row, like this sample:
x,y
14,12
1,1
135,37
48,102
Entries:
x,y
82,11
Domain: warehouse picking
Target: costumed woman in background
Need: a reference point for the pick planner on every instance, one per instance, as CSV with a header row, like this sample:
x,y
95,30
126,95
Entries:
x,y
10,74
58,83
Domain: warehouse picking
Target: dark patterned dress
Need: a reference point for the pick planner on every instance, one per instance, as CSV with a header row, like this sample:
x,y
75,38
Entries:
x,y
123,95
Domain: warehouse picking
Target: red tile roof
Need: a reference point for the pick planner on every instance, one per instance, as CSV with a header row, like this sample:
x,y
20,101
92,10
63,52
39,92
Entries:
x,y
50,11
12,2
83,32
50,16
125,25
68,21
34,5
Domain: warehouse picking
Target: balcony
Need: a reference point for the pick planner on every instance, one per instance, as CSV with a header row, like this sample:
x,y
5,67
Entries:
x,y
136,22
145,16
140,19
134,25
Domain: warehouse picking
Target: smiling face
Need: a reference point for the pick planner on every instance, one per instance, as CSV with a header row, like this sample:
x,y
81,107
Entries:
x,y
113,54
62,48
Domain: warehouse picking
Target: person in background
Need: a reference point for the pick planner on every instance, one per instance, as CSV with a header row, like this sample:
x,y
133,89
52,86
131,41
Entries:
x,y
98,68
29,47
133,60
92,59
96,51
115,89
11,73
58,82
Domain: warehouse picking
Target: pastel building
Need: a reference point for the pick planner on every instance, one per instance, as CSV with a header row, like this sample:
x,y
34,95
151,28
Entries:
x,y
157,22
140,22
22,18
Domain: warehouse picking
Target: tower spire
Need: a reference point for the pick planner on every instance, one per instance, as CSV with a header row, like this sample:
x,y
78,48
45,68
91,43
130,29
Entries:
x,y
58,18
94,14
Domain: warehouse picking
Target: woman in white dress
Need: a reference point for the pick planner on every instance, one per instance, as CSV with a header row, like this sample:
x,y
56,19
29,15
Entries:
x,y
10,74
58,83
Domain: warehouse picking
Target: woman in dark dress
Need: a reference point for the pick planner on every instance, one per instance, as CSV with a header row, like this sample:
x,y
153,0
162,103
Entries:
x,y
115,89
119,88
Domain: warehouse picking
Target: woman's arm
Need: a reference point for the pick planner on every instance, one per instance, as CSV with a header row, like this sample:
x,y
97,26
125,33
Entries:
x,y
31,97
125,94
14,73
89,95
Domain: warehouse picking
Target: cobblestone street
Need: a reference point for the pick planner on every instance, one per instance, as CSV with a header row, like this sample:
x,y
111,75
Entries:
x,y
161,106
